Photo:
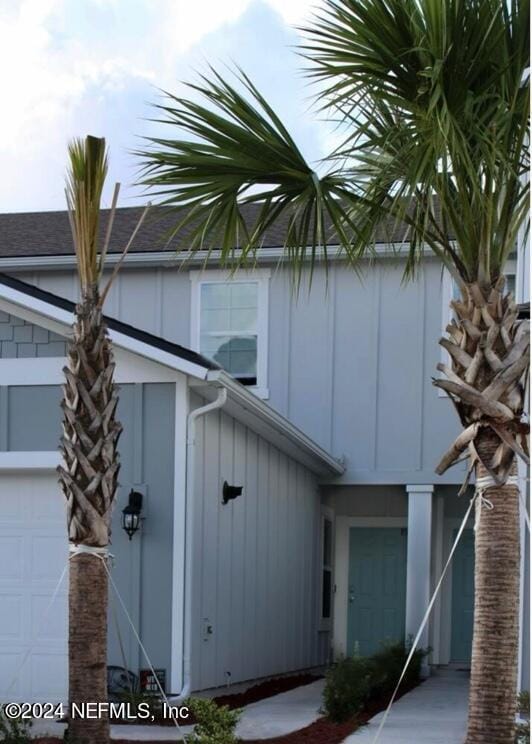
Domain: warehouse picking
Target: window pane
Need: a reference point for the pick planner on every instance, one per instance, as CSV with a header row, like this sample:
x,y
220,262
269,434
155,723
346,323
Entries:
x,y
244,294
510,283
209,345
243,319
243,363
215,320
237,355
327,542
215,296
230,308
326,596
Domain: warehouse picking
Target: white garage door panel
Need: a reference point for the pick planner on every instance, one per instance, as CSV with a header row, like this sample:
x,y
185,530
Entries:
x,y
33,552
48,676
11,614
51,626
11,552
11,661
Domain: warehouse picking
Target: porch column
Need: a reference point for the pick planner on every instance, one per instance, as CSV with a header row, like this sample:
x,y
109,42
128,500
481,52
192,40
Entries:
x,y
418,561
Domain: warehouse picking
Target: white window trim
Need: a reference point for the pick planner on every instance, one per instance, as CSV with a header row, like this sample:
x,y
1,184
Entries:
x,y
326,623
262,277
447,313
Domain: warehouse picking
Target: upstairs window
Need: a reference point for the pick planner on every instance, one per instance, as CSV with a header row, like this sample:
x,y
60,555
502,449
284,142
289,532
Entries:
x,y
230,323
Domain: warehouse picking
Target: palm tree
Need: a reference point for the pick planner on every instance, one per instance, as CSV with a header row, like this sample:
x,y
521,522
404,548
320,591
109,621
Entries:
x,y
89,443
430,95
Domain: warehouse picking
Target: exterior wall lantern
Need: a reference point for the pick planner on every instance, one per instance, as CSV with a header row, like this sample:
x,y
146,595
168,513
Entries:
x,y
230,492
131,513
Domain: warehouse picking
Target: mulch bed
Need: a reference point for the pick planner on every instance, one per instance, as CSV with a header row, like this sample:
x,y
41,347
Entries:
x,y
322,731
260,691
325,731
266,689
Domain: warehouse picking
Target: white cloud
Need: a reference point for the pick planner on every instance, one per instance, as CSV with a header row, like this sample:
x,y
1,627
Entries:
x,y
294,11
74,66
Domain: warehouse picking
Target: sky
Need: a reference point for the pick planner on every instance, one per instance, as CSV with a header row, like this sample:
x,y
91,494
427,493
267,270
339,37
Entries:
x,y
77,67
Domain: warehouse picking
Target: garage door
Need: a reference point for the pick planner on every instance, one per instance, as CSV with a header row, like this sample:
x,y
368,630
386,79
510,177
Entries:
x,y
33,550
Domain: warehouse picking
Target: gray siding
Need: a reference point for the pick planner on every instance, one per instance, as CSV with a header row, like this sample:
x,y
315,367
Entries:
x,y
350,362
255,558
30,420
366,501
20,339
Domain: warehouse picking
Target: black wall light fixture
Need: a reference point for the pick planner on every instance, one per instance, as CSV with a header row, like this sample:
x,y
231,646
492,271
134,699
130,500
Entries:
x,y
131,513
230,492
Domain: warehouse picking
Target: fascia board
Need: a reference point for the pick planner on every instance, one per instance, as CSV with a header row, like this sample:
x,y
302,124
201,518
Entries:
x,y
58,320
264,420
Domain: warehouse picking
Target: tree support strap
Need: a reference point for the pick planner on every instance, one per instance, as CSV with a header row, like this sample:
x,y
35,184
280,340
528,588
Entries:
x,y
81,549
478,502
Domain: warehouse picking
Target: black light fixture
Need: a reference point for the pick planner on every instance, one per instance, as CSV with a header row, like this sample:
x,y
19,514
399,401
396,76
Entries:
x,y
131,513
230,492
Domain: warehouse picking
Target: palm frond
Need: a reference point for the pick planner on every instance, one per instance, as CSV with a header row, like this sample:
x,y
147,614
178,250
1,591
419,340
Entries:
x,y
436,117
235,151
85,180
435,112
88,165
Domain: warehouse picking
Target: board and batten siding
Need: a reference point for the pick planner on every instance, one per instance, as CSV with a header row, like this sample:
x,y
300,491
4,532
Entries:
x,y
350,362
255,558
30,420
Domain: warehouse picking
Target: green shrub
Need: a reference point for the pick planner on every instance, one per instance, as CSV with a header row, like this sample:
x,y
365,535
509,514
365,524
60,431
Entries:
x,y
522,734
347,688
134,699
352,681
523,703
14,730
387,665
215,723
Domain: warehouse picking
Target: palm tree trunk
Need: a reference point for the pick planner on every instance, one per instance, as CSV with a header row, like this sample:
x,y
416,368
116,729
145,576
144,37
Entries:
x,y
87,648
492,701
89,480
490,356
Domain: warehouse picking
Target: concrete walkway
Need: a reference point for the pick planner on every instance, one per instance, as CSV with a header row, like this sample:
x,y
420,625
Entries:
x,y
135,732
281,714
433,713
274,716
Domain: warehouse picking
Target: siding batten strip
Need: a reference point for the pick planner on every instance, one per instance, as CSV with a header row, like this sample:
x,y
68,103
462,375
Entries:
x,y
4,417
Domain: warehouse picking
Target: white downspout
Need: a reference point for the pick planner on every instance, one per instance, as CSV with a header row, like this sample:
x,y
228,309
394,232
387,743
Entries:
x,y
189,535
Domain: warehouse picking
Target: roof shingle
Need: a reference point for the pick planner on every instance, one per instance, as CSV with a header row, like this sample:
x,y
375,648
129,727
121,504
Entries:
x,y
25,234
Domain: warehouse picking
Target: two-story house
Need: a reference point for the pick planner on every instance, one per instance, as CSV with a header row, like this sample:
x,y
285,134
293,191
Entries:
x,y
318,404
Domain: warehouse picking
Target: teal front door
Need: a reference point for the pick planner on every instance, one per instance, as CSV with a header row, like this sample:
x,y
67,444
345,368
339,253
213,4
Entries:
x,y
463,597
376,588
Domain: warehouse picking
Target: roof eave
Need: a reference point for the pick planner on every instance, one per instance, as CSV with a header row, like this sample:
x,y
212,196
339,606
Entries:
x,y
172,259
243,405
60,320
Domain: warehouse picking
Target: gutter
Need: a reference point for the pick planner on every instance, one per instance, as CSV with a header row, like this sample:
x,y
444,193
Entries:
x,y
283,428
184,259
192,417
